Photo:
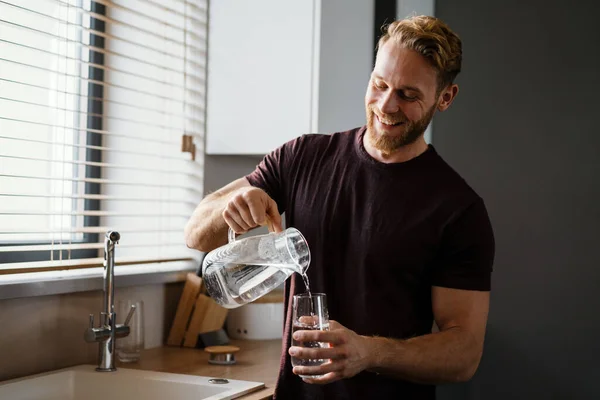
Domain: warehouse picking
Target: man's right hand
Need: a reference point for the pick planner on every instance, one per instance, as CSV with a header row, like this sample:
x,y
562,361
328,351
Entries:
x,y
249,207
237,205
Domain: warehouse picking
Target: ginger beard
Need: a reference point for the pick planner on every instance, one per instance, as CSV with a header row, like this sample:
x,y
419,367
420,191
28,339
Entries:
x,y
389,138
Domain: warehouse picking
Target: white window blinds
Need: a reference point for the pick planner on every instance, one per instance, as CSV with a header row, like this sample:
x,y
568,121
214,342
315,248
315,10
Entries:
x,y
101,128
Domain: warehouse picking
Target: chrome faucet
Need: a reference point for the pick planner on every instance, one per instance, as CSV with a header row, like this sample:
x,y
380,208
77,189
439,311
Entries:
x,y
108,330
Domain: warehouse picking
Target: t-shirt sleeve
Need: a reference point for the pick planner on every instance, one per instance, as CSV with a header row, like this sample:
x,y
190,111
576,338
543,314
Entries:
x,y
272,172
466,256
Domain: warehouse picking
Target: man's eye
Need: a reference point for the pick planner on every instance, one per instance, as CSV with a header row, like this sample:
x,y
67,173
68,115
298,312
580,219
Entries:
x,y
409,98
380,85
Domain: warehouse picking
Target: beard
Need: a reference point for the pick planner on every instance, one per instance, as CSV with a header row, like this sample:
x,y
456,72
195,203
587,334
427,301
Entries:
x,y
389,143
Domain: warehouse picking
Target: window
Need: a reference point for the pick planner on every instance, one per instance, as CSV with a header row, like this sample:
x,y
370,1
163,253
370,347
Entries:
x,y
101,128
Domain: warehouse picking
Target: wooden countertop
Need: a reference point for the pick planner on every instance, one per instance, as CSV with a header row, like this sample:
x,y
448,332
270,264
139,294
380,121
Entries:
x,y
257,360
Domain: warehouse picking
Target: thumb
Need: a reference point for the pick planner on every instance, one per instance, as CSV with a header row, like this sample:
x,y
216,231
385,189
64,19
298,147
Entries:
x,y
335,325
273,218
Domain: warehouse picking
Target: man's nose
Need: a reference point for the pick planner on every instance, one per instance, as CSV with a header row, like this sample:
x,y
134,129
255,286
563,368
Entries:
x,y
388,103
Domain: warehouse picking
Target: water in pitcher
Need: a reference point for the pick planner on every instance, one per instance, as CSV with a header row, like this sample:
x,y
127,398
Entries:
x,y
244,270
233,285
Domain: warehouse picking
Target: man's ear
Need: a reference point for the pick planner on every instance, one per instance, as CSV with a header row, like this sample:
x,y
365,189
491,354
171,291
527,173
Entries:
x,y
447,96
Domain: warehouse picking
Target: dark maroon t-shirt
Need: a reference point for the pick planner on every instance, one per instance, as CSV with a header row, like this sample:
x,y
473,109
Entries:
x,y
380,236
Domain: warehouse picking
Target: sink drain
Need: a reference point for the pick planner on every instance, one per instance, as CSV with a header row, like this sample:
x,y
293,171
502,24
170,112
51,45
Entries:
x,y
218,381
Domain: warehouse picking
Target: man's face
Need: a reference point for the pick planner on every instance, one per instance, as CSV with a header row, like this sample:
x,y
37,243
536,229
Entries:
x,y
401,98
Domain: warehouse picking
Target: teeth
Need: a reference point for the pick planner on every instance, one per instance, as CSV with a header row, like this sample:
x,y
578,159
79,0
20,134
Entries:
x,y
387,122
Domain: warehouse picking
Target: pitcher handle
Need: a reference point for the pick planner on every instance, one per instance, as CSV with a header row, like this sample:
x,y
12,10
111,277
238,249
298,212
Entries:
x,y
231,233
230,236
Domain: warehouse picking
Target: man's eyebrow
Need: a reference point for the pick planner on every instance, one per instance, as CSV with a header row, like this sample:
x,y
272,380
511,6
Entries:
x,y
404,87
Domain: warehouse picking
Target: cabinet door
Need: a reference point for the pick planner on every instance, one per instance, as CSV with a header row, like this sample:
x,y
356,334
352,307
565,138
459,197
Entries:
x,y
260,82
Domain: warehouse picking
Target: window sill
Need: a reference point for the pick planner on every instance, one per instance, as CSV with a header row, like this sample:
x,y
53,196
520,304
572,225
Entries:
x,y
82,280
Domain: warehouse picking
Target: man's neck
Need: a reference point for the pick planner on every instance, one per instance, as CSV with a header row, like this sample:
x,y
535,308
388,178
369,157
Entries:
x,y
403,154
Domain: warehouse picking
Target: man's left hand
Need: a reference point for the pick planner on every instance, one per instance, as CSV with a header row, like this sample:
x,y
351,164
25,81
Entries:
x,y
348,355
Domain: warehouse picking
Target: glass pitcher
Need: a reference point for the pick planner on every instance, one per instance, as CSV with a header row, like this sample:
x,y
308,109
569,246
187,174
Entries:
x,y
244,270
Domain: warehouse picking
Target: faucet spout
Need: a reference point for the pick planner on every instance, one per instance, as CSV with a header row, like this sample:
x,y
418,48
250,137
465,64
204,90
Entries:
x,y
108,316
110,240
108,330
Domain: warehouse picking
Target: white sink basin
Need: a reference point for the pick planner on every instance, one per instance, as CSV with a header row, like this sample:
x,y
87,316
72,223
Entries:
x,y
84,383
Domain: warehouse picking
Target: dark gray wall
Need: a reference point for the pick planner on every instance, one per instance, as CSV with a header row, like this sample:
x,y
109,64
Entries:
x,y
220,170
524,133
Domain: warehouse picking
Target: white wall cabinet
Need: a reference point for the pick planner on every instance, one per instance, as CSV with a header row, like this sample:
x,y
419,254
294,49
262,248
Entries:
x,y
280,68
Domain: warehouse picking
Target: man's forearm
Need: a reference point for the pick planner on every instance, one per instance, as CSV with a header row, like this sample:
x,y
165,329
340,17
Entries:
x,y
449,356
207,230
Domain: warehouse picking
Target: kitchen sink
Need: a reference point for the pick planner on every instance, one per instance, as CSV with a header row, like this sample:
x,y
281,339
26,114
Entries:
x,y
84,383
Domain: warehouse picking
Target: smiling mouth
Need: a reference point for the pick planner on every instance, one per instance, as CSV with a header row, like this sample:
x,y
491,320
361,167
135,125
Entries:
x,y
386,122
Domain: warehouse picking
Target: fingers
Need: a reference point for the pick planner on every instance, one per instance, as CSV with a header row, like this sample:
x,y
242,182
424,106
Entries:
x,y
328,378
325,373
250,209
234,216
242,212
274,216
257,207
333,325
323,353
333,337
228,216
322,369
241,204
347,356
265,212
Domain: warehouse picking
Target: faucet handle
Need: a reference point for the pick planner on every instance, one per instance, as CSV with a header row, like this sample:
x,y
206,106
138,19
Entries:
x,y
91,321
129,315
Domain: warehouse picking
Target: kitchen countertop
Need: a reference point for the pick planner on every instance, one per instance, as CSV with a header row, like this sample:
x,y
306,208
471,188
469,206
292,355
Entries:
x,y
257,360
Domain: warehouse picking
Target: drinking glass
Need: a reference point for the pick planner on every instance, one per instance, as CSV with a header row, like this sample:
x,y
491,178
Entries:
x,y
129,348
310,313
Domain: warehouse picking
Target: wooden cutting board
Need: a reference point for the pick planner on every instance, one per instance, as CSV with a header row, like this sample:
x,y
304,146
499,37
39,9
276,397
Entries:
x,y
191,290
208,316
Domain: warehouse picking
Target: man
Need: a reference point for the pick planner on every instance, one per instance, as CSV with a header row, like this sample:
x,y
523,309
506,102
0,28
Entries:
x,y
397,238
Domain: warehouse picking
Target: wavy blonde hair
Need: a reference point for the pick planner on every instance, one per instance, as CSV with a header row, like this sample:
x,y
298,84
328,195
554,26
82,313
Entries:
x,y
431,38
